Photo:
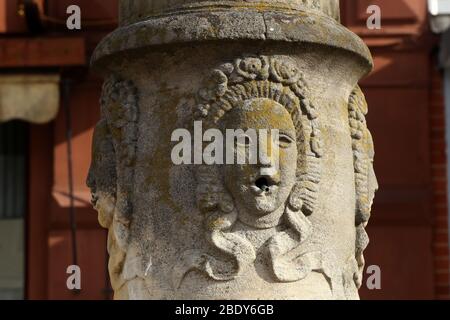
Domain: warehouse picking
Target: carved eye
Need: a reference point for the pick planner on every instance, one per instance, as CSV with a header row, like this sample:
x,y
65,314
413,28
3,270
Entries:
x,y
284,141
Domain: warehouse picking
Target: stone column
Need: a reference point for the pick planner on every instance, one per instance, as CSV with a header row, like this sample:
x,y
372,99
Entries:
x,y
292,227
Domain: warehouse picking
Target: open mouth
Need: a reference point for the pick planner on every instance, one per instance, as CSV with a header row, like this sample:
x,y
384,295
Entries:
x,y
264,184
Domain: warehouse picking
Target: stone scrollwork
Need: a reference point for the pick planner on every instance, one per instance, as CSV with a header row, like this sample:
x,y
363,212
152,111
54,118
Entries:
x,y
272,90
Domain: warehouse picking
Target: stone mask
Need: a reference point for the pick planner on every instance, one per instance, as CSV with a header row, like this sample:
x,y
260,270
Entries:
x,y
261,190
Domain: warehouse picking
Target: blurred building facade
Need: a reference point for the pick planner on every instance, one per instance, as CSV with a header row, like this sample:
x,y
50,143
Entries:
x,y
406,95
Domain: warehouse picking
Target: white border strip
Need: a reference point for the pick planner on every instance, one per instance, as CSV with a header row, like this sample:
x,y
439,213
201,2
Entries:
x,y
439,7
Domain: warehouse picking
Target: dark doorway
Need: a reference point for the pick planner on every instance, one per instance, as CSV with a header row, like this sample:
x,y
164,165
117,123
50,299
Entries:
x,y
13,198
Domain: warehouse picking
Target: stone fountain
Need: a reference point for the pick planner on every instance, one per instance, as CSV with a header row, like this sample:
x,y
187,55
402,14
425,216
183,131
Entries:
x,y
290,227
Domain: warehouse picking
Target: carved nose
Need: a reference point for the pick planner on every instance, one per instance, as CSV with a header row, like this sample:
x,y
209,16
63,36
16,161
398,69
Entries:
x,y
267,153
265,160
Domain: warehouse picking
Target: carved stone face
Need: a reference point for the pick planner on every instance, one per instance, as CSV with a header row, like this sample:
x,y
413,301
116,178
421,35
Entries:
x,y
261,190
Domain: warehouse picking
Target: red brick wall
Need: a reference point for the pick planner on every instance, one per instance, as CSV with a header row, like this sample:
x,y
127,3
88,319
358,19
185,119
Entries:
x,y
439,178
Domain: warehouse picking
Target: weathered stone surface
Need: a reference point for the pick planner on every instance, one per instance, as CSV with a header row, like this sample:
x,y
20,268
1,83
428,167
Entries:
x,y
148,23
217,231
139,10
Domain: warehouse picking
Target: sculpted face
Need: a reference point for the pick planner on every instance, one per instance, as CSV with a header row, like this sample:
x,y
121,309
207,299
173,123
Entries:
x,y
261,190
